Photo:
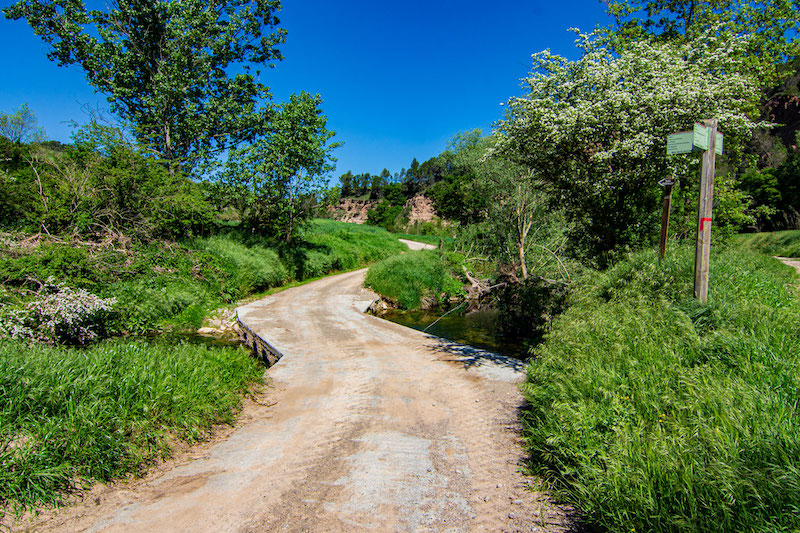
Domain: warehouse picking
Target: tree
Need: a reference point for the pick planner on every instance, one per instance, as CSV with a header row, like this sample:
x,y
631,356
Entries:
x,y
20,127
771,24
282,171
167,66
595,129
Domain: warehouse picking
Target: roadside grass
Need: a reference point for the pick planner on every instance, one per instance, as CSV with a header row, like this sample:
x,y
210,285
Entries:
x,y
780,243
651,412
414,279
69,417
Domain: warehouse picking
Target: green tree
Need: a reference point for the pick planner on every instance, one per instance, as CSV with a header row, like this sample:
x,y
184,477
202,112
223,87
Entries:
x,y
596,128
167,66
20,127
282,171
771,24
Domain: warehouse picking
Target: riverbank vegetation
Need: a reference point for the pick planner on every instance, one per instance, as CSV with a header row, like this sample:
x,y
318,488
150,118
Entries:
x,y
73,416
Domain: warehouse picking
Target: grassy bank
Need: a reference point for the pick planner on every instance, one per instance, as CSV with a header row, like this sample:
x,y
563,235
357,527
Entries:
x,y
780,243
414,279
73,416
651,412
162,284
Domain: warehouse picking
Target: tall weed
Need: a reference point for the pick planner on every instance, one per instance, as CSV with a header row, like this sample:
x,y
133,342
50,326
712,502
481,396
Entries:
x,y
652,412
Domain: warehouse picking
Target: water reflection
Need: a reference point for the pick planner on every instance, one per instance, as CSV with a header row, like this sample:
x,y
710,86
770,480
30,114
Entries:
x,y
477,329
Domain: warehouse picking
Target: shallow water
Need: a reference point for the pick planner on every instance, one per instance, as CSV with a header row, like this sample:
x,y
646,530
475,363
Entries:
x,y
477,329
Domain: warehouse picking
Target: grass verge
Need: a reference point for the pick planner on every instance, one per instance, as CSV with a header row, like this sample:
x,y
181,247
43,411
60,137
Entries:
x,y
651,412
170,285
414,279
780,243
74,416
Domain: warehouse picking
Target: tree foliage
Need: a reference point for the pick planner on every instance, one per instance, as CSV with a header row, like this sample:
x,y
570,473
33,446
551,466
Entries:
x,y
273,181
596,128
771,24
101,184
21,127
183,72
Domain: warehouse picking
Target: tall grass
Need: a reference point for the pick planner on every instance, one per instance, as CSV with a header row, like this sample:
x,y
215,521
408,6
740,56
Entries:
x,y
161,284
781,243
652,412
70,416
412,278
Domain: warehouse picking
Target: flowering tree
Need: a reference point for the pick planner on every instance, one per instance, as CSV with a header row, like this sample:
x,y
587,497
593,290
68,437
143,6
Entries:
x,y
596,128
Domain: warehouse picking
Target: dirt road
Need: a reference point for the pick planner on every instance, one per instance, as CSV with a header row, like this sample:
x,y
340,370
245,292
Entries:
x,y
368,426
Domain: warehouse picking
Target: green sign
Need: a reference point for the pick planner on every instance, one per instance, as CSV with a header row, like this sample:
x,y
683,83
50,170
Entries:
x,y
685,142
701,136
680,143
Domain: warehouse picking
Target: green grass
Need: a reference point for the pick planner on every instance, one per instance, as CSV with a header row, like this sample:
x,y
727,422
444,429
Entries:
x,y
412,278
651,412
69,416
162,285
780,243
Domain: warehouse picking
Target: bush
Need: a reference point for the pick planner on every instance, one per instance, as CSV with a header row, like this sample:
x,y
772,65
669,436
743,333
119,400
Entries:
x,y
59,314
652,412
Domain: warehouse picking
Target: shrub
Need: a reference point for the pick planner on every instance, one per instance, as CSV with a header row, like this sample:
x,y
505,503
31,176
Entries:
x,y
60,314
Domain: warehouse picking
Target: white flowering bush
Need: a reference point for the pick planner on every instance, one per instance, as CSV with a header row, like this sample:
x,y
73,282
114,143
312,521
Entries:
x,y
597,127
59,314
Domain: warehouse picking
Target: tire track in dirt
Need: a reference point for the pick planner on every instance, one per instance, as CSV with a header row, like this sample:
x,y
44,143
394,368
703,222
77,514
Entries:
x,y
370,427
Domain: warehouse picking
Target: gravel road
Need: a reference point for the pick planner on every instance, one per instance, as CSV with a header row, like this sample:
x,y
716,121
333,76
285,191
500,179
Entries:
x,y
366,426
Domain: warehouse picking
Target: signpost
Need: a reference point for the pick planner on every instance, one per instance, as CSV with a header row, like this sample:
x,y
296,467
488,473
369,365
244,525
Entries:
x,y
703,138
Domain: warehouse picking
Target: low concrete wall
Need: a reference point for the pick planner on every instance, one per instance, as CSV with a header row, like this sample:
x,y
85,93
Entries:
x,y
260,346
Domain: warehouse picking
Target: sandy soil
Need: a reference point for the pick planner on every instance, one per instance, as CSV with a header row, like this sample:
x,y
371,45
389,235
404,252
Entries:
x,y
414,245
366,426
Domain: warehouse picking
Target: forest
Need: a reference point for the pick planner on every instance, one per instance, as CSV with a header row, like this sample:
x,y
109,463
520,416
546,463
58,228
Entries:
x,y
647,410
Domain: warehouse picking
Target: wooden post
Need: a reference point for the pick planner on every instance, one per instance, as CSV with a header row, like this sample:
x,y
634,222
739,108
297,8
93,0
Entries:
x,y
662,243
704,208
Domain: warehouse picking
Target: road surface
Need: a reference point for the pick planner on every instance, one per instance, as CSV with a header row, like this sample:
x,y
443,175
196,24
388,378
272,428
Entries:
x,y
367,426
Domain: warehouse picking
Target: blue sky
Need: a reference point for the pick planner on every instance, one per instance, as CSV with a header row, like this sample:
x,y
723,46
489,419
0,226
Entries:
x,y
398,79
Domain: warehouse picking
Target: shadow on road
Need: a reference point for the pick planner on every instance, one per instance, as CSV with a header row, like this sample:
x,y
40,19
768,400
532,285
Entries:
x,y
469,356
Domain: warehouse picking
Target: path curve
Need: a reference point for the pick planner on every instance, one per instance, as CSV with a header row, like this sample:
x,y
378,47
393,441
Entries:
x,y
415,245
367,426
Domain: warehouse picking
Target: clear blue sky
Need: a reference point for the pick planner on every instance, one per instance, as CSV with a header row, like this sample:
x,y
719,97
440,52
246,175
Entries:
x,y
398,79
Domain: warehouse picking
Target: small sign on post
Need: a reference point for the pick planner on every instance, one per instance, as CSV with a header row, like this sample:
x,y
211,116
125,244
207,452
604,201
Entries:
x,y
704,137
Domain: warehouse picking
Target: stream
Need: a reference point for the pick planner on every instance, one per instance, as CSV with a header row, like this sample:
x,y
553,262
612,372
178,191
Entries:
x,y
478,329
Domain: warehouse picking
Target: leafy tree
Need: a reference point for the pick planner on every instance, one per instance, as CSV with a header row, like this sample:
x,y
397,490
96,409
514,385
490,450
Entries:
x,y
771,24
20,127
346,180
595,129
278,176
167,66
